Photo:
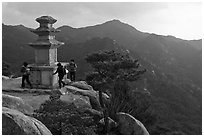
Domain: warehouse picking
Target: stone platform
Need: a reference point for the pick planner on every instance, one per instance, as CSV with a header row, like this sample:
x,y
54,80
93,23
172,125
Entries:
x,y
42,76
14,85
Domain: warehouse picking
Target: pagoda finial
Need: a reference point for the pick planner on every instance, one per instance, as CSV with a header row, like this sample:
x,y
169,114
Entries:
x,y
46,19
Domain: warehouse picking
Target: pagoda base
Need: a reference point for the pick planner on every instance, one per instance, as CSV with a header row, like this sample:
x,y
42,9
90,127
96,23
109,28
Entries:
x,y
41,77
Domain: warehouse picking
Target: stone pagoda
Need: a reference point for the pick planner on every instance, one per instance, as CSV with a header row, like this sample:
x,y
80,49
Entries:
x,y
45,54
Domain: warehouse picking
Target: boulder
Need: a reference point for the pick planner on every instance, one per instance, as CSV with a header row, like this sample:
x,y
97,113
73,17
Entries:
x,y
92,94
82,85
83,92
128,125
78,100
16,103
16,123
67,81
61,91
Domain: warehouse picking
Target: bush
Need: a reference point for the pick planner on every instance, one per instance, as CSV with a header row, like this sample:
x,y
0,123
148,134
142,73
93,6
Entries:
x,y
64,119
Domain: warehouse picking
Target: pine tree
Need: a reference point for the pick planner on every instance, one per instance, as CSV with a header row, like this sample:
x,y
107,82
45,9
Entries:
x,y
111,73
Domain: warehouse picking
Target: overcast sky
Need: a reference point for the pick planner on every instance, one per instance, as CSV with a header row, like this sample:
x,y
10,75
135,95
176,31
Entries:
x,y
182,20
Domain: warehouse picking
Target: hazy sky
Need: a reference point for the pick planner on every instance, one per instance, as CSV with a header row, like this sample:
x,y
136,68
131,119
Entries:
x,y
183,20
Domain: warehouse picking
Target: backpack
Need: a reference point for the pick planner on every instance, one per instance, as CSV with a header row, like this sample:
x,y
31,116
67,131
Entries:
x,y
72,67
25,70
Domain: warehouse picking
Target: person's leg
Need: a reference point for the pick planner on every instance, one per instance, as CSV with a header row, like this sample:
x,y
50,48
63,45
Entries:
x,y
61,82
23,81
71,76
74,76
28,81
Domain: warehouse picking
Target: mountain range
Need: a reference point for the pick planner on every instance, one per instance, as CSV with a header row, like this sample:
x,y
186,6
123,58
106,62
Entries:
x,y
174,66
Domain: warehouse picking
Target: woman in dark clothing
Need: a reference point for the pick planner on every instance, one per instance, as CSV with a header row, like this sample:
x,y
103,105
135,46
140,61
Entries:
x,y
25,75
72,70
61,73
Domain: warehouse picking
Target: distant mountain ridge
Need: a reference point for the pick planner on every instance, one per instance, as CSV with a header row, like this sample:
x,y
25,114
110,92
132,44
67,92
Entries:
x,y
114,29
174,66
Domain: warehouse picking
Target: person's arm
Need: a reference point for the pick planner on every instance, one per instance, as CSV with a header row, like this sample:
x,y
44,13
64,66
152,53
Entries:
x,y
55,72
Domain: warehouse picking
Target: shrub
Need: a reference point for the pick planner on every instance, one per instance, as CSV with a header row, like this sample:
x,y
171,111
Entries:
x,y
65,119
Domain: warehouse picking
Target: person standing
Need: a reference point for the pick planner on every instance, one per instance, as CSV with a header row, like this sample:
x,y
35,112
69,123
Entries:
x,y
72,70
25,75
61,72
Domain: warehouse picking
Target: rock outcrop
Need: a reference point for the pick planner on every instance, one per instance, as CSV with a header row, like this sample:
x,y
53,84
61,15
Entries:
x,y
79,101
128,125
79,91
15,111
82,85
16,103
92,94
16,123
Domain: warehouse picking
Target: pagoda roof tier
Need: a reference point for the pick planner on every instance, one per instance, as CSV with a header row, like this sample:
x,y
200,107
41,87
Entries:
x,y
46,19
43,29
49,44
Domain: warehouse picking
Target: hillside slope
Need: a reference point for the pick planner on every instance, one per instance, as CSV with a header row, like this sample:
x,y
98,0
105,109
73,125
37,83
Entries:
x,y
15,47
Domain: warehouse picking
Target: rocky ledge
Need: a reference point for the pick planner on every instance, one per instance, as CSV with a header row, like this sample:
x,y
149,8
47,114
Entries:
x,y
18,110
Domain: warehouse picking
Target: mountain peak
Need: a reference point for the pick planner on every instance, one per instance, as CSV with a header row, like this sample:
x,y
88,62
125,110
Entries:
x,y
20,26
114,21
